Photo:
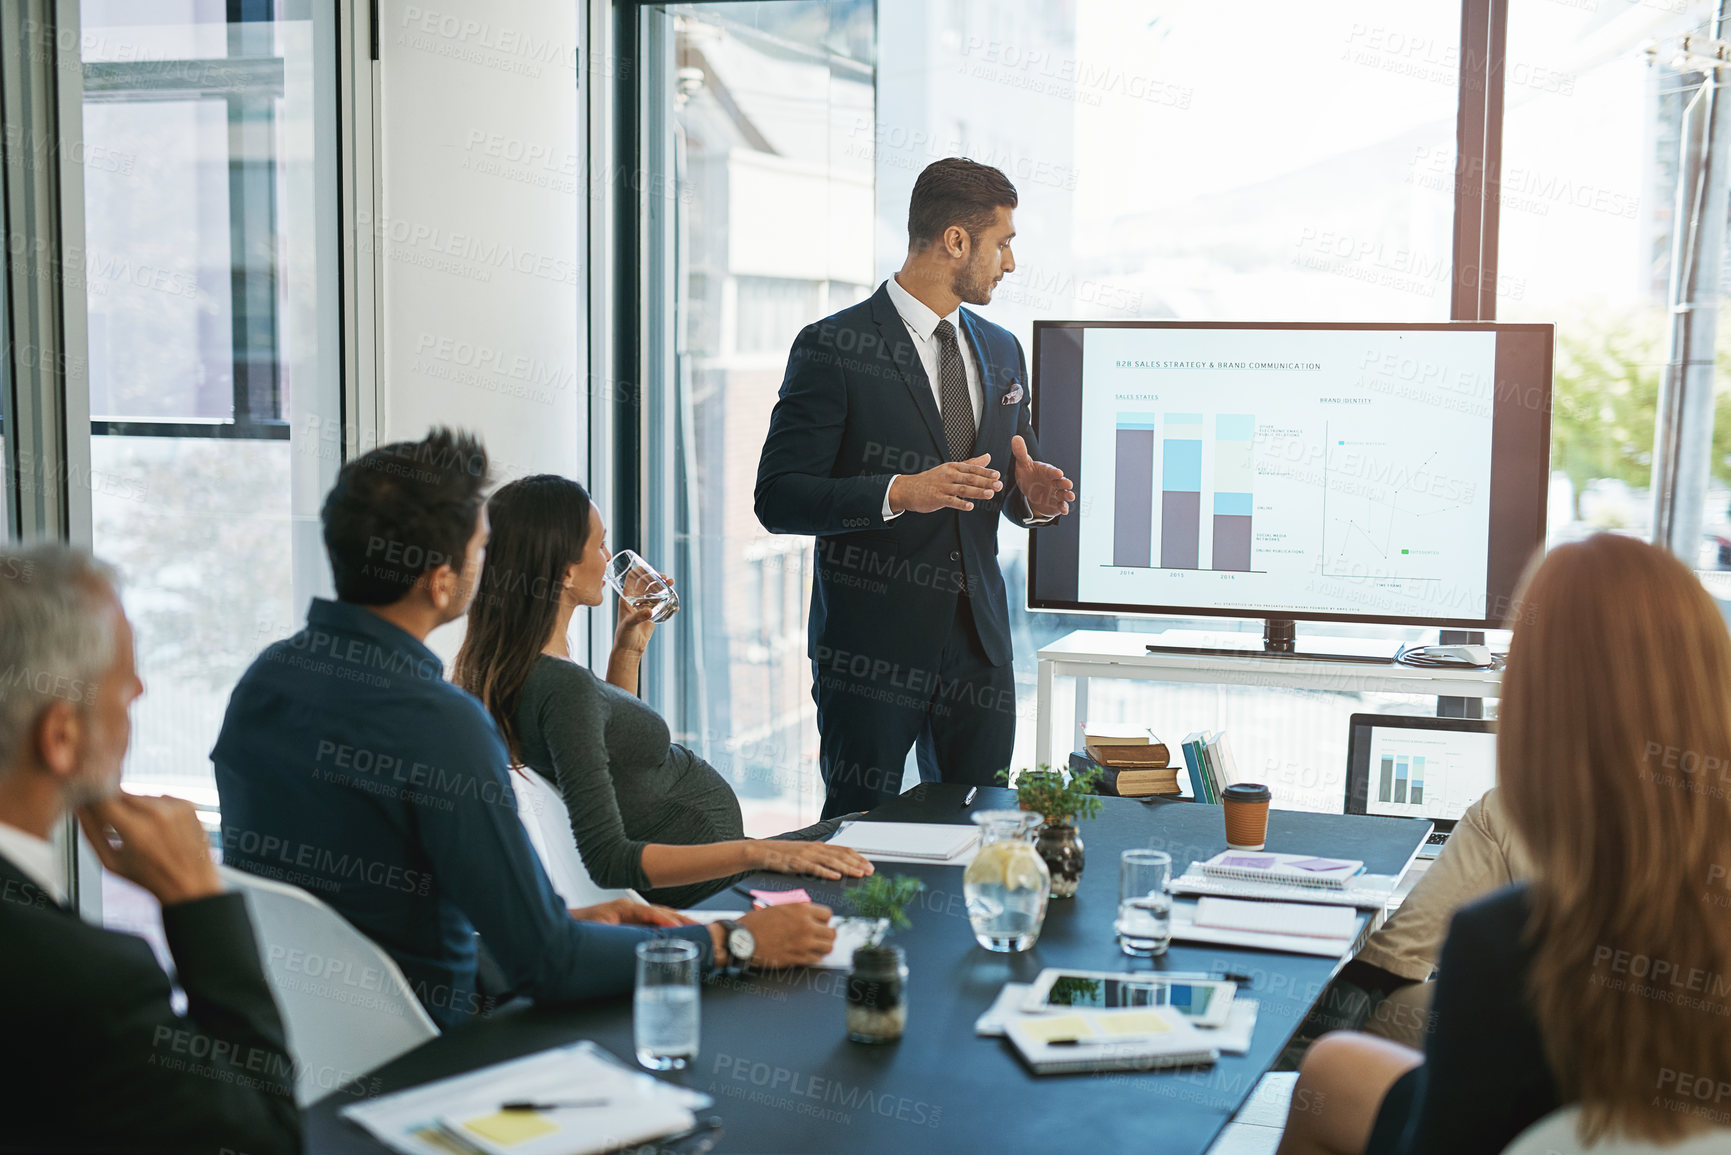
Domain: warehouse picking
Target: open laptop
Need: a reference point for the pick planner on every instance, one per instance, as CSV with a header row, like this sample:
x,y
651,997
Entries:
x,y
1418,767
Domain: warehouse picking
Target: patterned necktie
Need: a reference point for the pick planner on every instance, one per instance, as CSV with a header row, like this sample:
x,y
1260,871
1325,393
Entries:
x,y
953,399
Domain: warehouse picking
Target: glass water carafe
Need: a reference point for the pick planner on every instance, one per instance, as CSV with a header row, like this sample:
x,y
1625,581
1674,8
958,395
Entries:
x,y
1007,884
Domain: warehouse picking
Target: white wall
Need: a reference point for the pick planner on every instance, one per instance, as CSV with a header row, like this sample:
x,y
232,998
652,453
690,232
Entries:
x,y
480,230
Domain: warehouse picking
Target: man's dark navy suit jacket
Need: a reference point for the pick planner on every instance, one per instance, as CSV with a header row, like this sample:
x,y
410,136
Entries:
x,y
856,408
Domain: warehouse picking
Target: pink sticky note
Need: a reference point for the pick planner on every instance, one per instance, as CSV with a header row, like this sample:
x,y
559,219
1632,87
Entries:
x,y
780,897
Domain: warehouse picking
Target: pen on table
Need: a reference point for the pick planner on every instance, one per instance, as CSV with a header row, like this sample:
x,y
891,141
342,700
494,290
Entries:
x,y
744,893
973,792
531,1105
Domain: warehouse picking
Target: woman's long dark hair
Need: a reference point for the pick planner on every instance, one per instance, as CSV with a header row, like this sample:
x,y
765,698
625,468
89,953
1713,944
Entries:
x,y
539,528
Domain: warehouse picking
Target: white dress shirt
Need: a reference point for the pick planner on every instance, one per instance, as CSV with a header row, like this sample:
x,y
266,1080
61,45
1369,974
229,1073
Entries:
x,y
922,326
35,857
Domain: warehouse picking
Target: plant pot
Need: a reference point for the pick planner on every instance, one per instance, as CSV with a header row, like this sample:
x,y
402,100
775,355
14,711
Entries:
x,y
877,1005
1061,848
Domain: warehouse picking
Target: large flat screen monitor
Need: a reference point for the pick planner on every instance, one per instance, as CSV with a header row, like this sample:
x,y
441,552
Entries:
x,y
1384,473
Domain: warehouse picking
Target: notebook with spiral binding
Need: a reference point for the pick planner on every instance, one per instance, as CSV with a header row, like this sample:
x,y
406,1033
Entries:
x,y
1305,870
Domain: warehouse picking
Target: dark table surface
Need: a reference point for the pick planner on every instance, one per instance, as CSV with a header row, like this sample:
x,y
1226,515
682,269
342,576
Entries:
x,y
774,1050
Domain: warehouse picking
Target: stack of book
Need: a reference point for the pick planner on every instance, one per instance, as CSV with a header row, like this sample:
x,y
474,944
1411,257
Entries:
x,y
1210,763
1133,763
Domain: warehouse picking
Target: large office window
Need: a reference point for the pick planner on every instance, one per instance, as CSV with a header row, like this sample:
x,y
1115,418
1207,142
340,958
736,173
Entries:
x,y
1588,195
209,274
1173,161
1184,161
765,215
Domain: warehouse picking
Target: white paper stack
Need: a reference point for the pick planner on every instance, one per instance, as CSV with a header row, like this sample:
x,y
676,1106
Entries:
x,y
1108,1040
1297,928
463,1112
913,842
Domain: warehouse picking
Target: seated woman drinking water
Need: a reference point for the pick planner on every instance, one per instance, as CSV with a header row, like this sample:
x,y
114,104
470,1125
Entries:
x,y
647,813
1615,700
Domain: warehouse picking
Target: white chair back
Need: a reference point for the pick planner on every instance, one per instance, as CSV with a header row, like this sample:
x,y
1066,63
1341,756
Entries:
x,y
1558,1134
346,1006
548,823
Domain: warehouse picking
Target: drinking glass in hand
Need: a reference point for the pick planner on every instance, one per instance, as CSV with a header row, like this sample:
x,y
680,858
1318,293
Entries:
x,y
635,580
664,1008
1144,908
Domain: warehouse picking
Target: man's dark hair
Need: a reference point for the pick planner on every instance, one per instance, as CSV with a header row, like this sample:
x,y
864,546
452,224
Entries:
x,y
955,191
403,510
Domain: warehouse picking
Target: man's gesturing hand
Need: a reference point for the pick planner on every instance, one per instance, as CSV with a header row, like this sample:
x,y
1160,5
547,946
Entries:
x,y
1048,491
156,842
952,485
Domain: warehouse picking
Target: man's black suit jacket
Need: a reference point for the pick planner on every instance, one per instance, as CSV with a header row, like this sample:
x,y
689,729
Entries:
x,y
99,1061
856,408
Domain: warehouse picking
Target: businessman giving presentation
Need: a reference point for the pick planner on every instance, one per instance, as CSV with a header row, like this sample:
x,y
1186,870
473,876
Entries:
x,y
902,431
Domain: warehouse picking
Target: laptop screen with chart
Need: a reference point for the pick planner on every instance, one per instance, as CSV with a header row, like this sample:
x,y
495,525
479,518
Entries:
x,y
1416,767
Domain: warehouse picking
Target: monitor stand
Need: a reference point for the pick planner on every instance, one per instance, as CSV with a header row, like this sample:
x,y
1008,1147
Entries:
x,y
1279,640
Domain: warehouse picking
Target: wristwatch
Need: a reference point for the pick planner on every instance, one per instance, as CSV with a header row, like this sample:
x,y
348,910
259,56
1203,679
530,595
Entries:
x,y
741,944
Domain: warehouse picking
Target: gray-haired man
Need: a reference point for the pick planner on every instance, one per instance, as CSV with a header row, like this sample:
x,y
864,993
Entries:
x,y
102,1060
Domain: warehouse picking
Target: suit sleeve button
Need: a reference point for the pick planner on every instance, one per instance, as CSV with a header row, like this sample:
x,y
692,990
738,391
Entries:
x,y
955,555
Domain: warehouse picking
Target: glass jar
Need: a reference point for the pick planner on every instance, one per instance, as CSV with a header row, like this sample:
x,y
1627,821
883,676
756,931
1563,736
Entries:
x,y
877,995
1007,885
1060,847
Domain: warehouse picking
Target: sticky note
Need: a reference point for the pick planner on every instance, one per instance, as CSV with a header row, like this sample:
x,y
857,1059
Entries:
x,y
1045,1029
780,897
1319,864
1134,1023
509,1128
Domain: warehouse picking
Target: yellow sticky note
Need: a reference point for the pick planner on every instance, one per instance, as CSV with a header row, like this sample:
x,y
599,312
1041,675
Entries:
x,y
1057,1027
508,1128
1134,1023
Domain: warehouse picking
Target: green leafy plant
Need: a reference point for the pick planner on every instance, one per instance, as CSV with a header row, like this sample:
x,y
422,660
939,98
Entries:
x,y
1055,798
883,896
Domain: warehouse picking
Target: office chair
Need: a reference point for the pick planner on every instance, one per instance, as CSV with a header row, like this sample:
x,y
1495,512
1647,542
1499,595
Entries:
x,y
1556,1134
345,1005
543,814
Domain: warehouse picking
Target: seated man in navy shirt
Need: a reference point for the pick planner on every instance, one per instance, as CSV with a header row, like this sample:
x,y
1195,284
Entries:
x,y
350,767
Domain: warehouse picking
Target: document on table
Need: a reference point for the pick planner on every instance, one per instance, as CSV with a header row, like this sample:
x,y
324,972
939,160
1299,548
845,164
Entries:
x,y
1295,918
1185,929
463,1112
912,842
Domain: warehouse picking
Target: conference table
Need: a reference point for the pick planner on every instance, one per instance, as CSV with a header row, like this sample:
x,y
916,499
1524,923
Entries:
x,y
774,1050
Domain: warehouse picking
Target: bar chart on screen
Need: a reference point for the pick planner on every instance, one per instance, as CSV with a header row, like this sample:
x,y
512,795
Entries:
x,y
1402,779
1417,772
1169,447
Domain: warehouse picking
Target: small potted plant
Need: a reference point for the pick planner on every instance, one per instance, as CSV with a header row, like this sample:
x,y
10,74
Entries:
x,y
1062,800
877,1006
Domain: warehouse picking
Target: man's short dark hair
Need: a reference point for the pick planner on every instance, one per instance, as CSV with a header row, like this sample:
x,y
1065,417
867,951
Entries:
x,y
956,191
403,510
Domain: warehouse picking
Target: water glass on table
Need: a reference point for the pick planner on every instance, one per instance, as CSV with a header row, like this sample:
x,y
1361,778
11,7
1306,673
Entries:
x,y
1144,908
664,1007
641,585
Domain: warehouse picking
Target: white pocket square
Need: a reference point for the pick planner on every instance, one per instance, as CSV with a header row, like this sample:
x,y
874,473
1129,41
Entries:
x,y
1013,397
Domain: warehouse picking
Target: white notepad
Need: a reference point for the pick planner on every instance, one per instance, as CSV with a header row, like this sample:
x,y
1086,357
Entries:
x,y
908,841
1366,891
1304,920
1184,929
1108,1040
637,1107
